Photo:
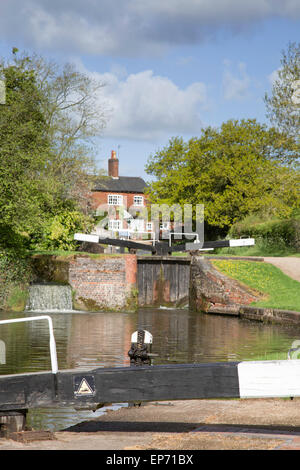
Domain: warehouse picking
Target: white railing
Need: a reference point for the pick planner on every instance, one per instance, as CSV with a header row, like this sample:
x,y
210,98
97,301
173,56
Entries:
x,y
52,344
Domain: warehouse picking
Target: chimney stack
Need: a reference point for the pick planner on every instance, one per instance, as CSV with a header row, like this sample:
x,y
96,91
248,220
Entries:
x,y
113,165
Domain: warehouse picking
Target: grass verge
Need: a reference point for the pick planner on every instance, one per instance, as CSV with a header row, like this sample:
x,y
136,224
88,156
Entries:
x,y
17,298
70,254
259,249
280,291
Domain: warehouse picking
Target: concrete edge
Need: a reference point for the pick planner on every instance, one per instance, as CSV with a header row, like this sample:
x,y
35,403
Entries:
x,y
266,315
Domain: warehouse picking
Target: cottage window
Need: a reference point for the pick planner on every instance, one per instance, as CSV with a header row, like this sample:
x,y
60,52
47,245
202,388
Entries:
x,y
149,226
138,201
115,200
137,225
115,224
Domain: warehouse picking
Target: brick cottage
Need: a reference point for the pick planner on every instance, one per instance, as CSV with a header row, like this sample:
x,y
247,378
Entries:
x,y
116,196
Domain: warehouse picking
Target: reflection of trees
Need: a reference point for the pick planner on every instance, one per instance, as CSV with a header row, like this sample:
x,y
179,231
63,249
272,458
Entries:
x,y
81,340
100,340
27,344
25,352
103,339
170,330
187,337
216,338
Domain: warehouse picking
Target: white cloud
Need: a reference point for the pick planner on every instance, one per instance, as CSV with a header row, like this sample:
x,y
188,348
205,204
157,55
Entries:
x,y
131,27
145,106
273,76
235,87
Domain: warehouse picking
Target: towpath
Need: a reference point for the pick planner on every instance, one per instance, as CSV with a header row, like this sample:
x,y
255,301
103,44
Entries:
x,y
289,265
265,424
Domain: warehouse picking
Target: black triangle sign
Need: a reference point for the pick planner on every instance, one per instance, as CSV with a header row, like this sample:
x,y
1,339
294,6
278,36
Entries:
x,y
84,389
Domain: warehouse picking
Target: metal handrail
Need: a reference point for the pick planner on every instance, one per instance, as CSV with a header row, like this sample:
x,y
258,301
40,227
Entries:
x,y
52,343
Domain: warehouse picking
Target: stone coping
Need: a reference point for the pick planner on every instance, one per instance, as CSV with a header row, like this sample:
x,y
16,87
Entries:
x,y
266,315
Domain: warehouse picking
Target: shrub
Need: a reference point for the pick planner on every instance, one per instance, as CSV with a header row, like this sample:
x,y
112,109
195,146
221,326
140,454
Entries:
x,y
58,232
14,277
277,233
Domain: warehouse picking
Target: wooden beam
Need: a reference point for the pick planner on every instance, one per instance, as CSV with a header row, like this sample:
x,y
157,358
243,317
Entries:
x,y
163,248
221,244
127,244
117,385
259,379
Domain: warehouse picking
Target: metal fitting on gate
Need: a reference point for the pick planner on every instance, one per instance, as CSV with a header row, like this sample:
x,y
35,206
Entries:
x,y
140,351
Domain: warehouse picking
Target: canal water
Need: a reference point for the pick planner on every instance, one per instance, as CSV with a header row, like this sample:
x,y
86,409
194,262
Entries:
x,y
88,340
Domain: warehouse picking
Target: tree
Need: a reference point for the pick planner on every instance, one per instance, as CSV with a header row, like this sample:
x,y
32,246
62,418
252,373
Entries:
x,y
75,114
233,171
282,107
24,149
46,140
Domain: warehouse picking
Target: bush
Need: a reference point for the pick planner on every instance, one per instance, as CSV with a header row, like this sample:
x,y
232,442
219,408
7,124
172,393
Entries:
x,y
14,278
58,232
274,233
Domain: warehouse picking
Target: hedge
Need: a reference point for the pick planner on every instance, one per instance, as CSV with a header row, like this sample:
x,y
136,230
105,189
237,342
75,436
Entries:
x,y
279,233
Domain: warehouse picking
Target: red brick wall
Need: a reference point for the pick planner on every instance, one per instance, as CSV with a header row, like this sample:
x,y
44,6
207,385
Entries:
x,y
99,198
104,283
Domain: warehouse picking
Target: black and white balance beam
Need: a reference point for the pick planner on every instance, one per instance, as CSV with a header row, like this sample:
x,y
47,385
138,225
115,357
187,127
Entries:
x,y
259,379
221,244
269,379
206,245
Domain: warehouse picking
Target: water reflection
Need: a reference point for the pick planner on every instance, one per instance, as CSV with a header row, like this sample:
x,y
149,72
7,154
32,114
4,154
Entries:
x,y
88,340
185,337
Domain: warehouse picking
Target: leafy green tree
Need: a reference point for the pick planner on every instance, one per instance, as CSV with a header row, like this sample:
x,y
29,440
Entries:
x,y
233,171
74,113
283,108
47,164
24,150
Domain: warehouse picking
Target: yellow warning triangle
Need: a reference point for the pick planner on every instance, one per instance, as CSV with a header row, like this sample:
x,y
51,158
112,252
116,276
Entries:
x,y
84,388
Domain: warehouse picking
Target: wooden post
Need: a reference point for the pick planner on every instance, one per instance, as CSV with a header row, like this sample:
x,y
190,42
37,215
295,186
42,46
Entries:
x,y
12,421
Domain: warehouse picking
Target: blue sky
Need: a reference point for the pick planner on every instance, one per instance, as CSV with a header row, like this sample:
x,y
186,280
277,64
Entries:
x,y
169,67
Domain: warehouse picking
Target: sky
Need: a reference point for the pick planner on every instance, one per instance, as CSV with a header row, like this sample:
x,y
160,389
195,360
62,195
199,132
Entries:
x,y
169,68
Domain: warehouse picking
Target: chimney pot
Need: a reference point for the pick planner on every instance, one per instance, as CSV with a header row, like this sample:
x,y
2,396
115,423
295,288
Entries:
x,y
113,165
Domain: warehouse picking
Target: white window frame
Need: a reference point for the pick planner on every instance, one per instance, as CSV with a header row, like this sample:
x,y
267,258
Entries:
x,y
115,225
149,226
140,200
136,225
115,200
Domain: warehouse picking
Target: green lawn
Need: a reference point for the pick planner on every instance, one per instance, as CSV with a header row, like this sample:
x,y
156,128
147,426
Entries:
x,y
280,291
